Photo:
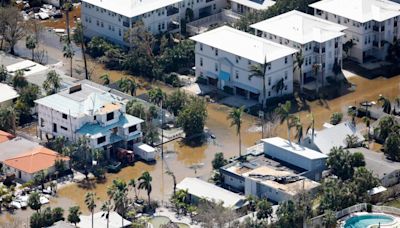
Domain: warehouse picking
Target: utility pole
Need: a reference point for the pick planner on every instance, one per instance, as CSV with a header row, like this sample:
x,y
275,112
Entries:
x,y
261,116
162,131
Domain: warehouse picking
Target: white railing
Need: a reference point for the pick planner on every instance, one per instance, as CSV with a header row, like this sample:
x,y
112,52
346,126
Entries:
x,y
202,24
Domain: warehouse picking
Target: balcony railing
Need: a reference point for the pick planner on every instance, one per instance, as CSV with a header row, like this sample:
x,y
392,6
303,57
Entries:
x,y
172,11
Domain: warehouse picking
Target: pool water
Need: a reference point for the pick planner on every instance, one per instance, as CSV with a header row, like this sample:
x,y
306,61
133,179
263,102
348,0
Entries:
x,y
363,221
157,221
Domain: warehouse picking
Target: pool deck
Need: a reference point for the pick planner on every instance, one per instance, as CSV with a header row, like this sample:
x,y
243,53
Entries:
x,y
395,224
162,211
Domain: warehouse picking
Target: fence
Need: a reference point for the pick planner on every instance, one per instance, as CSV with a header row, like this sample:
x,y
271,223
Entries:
x,y
202,24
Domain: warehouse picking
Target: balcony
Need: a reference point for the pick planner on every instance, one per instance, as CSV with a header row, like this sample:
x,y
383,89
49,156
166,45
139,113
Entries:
x,y
172,10
336,45
323,50
316,49
375,28
125,24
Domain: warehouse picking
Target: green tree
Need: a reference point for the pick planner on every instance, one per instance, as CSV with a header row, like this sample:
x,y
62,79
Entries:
x,y
105,78
145,183
364,180
36,220
74,213
386,104
31,43
386,125
311,126
180,56
19,81
135,108
298,65
260,71
264,209
193,116
52,83
279,86
329,220
157,96
118,192
15,27
34,201
289,215
132,184
128,85
235,115
3,73
176,101
351,141
299,128
39,178
90,198
68,53
8,119
342,162
391,147
57,214
218,161
316,70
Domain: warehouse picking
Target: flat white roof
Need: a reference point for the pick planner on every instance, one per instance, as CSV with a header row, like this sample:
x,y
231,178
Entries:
x,y
257,5
114,220
294,148
360,10
29,67
7,93
131,8
243,44
203,189
300,27
146,148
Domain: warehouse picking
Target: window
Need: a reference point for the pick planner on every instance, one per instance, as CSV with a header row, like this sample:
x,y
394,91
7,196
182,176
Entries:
x,y
214,6
110,116
216,66
269,93
269,81
94,118
201,47
249,62
237,59
286,73
101,140
269,66
285,60
41,122
237,74
102,25
97,22
201,61
216,52
54,128
119,32
64,116
64,128
132,129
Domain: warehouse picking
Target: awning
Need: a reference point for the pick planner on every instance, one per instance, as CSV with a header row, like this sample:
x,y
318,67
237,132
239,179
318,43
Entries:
x,y
211,75
224,75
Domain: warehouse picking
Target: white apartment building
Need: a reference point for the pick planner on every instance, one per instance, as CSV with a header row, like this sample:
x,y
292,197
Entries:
x,y
371,24
319,42
111,19
84,110
250,6
224,57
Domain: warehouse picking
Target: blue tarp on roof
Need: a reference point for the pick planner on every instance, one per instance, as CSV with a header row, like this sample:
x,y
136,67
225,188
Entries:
x,y
124,121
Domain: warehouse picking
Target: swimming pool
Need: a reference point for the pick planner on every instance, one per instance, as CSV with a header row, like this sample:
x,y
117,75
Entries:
x,y
364,221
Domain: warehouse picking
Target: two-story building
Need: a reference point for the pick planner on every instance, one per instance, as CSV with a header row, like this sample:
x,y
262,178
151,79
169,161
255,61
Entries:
x,y
87,111
318,41
225,58
112,19
372,25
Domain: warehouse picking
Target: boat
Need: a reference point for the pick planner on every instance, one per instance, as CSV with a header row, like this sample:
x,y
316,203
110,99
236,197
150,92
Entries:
x,y
114,167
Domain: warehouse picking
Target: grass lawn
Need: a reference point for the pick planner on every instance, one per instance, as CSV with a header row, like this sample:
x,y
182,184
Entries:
x,y
394,203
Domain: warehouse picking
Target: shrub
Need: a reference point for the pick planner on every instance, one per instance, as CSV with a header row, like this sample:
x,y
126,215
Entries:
x,y
336,118
369,208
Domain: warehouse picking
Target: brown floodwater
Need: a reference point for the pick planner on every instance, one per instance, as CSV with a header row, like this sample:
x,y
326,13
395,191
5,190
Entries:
x,y
195,161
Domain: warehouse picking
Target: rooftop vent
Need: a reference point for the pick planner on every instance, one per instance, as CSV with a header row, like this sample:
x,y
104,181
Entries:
x,y
75,88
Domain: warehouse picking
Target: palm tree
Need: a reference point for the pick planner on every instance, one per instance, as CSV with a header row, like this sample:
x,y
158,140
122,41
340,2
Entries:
x,y
69,53
40,178
31,43
90,203
67,7
235,115
279,86
145,183
8,119
118,192
351,141
299,128
299,61
105,78
367,122
168,172
132,183
316,68
353,113
52,82
284,113
385,102
348,46
156,96
78,38
259,70
106,208
128,85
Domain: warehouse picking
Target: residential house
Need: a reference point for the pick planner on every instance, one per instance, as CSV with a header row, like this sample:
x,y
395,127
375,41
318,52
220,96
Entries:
x,y
372,25
319,42
332,136
28,164
8,95
249,6
112,19
264,177
386,170
224,57
87,111
199,189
